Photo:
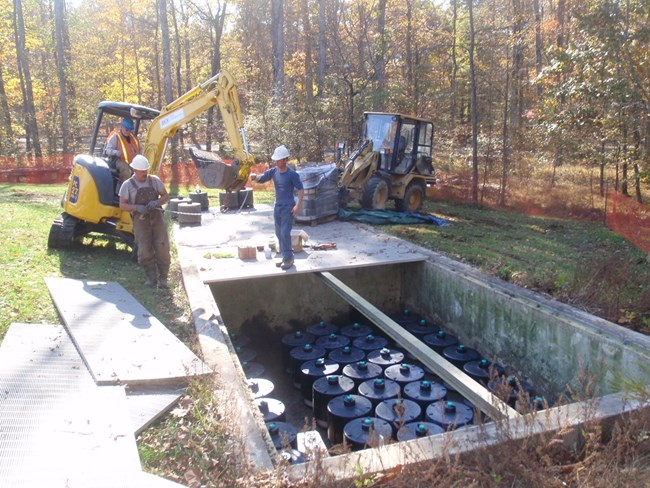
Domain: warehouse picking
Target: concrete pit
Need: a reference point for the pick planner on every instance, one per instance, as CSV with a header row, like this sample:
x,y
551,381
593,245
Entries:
x,y
368,277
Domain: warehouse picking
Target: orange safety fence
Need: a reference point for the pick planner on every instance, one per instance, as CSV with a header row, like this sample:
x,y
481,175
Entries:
x,y
629,218
56,169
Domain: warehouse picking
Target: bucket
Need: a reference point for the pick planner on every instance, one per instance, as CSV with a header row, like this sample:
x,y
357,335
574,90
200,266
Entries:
x,y
272,410
424,392
439,340
370,342
362,371
283,435
398,411
310,371
483,370
511,389
322,329
449,415
189,213
346,355
260,387
332,341
416,430
172,206
301,354
460,354
326,389
385,357
252,369
367,432
201,198
342,409
420,328
291,340
356,330
404,373
245,353
378,390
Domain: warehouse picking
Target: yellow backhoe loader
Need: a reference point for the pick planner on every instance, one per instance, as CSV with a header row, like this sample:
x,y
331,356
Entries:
x,y
91,204
393,161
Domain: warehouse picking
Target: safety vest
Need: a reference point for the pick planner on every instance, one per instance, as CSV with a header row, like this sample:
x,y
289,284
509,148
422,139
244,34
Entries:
x,y
129,149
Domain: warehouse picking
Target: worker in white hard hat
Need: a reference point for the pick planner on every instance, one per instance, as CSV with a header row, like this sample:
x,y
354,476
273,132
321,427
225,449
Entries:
x,y
144,195
286,182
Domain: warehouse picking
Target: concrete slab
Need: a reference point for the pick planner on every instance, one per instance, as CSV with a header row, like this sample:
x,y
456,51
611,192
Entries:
x,y
57,427
119,339
221,233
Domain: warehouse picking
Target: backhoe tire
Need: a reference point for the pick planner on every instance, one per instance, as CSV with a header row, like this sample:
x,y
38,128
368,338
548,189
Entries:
x,y
62,232
413,198
375,194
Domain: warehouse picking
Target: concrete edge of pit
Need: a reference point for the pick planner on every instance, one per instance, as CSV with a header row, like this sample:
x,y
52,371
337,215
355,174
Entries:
x,y
564,421
217,352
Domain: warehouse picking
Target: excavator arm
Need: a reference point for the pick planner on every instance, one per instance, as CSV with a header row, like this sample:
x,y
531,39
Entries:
x,y
219,90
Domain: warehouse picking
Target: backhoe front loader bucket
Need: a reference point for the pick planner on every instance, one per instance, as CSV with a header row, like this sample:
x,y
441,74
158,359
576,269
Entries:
x,y
213,172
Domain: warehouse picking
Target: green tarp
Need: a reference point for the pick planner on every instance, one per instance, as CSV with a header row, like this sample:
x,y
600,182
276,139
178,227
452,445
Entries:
x,y
388,217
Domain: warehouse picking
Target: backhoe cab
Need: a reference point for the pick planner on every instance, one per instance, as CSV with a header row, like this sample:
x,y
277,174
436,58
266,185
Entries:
x,y
91,204
393,161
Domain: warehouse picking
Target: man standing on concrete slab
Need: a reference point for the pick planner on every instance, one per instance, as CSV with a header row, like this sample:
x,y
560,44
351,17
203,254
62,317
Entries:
x,y
144,195
285,181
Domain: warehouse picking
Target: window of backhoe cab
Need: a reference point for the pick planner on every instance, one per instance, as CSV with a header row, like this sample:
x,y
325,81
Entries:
x,y
381,130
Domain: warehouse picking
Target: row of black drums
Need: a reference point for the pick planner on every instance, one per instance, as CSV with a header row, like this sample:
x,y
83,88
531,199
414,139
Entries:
x,y
365,391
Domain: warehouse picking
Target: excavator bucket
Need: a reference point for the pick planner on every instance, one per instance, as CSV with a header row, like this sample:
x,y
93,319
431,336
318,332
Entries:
x,y
213,172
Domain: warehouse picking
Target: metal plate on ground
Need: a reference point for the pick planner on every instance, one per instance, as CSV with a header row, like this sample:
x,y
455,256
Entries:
x,y
118,338
212,247
146,405
57,427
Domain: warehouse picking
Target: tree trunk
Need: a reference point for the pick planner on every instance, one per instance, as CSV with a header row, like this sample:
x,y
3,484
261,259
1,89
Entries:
x,y
309,75
474,108
217,21
31,128
167,72
59,29
277,47
179,64
539,46
322,47
517,62
636,156
380,58
454,63
505,153
7,143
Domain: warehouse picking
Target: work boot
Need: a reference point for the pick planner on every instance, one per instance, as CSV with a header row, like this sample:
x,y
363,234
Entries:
x,y
286,264
279,263
150,271
162,278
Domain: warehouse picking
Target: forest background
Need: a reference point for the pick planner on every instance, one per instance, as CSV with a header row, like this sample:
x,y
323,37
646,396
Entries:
x,y
541,106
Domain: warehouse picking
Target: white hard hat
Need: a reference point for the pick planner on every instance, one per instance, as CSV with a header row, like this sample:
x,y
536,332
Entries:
x,y
140,163
281,152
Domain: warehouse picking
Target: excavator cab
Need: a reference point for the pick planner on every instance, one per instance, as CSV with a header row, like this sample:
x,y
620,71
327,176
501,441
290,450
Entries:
x,y
393,161
90,202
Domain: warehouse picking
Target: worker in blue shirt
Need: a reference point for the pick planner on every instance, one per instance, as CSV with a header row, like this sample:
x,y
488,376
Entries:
x,y
285,181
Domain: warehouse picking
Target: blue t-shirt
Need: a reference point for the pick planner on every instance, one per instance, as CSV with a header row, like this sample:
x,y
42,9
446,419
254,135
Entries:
x,y
285,184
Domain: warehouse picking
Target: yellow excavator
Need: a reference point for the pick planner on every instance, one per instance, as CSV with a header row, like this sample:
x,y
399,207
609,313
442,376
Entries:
x,y
90,202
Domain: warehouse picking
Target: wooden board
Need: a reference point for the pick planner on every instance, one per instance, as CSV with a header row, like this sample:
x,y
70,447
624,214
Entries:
x,y
120,340
466,386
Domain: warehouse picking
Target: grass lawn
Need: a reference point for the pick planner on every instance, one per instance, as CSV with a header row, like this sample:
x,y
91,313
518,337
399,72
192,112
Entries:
x,y
581,263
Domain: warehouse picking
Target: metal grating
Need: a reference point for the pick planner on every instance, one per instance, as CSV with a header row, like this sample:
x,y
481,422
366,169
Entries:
x,y
118,338
57,428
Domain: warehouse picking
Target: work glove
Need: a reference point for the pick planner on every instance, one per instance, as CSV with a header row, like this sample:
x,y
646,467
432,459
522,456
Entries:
x,y
153,204
142,209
